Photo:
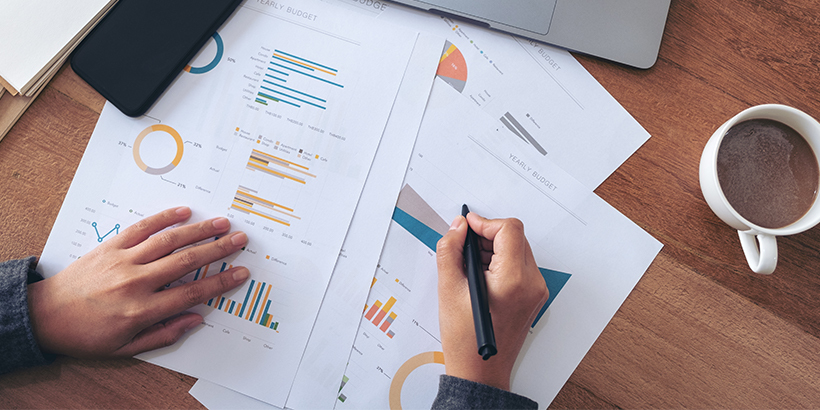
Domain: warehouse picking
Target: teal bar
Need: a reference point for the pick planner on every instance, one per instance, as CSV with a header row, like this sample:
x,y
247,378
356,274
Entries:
x,y
265,314
258,298
247,296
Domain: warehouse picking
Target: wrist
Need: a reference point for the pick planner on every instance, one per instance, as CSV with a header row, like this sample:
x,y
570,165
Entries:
x,y
495,374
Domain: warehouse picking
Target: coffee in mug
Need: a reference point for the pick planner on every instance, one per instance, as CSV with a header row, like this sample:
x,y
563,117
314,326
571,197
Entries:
x,y
768,172
759,174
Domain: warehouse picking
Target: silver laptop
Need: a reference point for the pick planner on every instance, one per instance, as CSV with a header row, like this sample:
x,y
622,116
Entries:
x,y
625,31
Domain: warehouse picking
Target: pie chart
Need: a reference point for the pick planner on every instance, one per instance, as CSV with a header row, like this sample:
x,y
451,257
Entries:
x,y
452,68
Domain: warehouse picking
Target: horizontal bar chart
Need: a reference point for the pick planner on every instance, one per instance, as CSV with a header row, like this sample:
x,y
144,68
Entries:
x,y
304,74
251,202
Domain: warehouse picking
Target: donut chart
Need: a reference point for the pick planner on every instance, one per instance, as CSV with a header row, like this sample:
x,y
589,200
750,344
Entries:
x,y
452,68
408,367
177,158
220,49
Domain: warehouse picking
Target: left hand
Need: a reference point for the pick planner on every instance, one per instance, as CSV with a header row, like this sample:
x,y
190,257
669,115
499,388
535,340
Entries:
x,y
111,302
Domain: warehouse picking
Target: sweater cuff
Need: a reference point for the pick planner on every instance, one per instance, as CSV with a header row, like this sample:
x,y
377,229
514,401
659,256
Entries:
x,y
20,348
457,393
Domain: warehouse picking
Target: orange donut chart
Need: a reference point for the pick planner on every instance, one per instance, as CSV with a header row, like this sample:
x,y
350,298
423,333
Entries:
x,y
401,375
155,128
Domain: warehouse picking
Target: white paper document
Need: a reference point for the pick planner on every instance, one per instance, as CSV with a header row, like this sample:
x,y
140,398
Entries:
x,y
37,34
275,125
325,359
590,255
539,97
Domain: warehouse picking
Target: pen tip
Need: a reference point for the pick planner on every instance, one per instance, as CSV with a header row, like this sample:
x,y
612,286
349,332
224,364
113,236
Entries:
x,y
464,210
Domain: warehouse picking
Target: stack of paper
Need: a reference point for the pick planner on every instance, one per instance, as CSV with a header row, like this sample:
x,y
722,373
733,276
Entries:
x,y
38,37
343,140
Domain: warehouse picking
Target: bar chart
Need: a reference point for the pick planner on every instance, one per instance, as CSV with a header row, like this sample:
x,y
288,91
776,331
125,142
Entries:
x,y
296,81
377,315
516,128
254,307
250,201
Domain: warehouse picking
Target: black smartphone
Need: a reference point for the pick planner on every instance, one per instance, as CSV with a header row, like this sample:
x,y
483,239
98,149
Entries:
x,y
138,49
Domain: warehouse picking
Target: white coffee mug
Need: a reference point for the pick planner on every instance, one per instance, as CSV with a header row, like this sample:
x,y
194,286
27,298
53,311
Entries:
x,y
758,243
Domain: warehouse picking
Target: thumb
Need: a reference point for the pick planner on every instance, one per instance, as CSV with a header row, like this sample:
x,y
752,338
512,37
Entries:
x,y
159,335
450,254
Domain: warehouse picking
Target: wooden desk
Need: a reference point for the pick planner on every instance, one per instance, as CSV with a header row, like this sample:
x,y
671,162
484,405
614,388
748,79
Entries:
x,y
700,329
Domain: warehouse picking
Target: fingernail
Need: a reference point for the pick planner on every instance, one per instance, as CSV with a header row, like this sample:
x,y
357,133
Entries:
x,y
183,211
241,275
221,224
239,239
456,223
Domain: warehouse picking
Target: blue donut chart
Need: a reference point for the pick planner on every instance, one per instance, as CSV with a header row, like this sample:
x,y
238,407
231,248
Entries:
x,y
220,49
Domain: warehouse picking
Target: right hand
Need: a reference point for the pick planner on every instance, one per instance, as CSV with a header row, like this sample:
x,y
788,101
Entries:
x,y
516,292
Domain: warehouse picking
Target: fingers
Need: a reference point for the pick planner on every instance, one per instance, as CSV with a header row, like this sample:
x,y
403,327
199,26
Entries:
x,y
176,265
160,335
505,238
166,242
172,301
140,231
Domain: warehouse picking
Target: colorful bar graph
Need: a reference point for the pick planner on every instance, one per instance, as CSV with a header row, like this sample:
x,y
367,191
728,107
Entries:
x,y
259,310
373,310
283,68
248,201
381,316
385,309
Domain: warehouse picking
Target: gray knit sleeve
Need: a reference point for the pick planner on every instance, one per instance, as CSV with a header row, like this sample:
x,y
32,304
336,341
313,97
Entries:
x,y
18,346
457,393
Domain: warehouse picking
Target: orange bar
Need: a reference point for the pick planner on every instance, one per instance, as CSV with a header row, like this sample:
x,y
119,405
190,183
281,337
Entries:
x,y
379,317
280,159
238,309
205,272
303,64
264,300
383,312
275,173
388,322
255,293
373,310
265,201
236,206
389,305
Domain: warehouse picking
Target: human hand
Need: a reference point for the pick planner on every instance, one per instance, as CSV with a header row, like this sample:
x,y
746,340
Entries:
x,y
111,302
516,292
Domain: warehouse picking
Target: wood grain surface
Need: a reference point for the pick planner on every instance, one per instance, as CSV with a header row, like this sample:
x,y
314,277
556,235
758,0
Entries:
x,y
700,330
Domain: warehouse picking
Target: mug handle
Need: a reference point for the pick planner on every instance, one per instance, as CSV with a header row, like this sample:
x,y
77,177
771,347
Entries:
x,y
760,250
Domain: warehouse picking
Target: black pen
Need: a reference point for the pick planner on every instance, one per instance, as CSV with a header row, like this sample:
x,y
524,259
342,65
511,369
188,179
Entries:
x,y
484,334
